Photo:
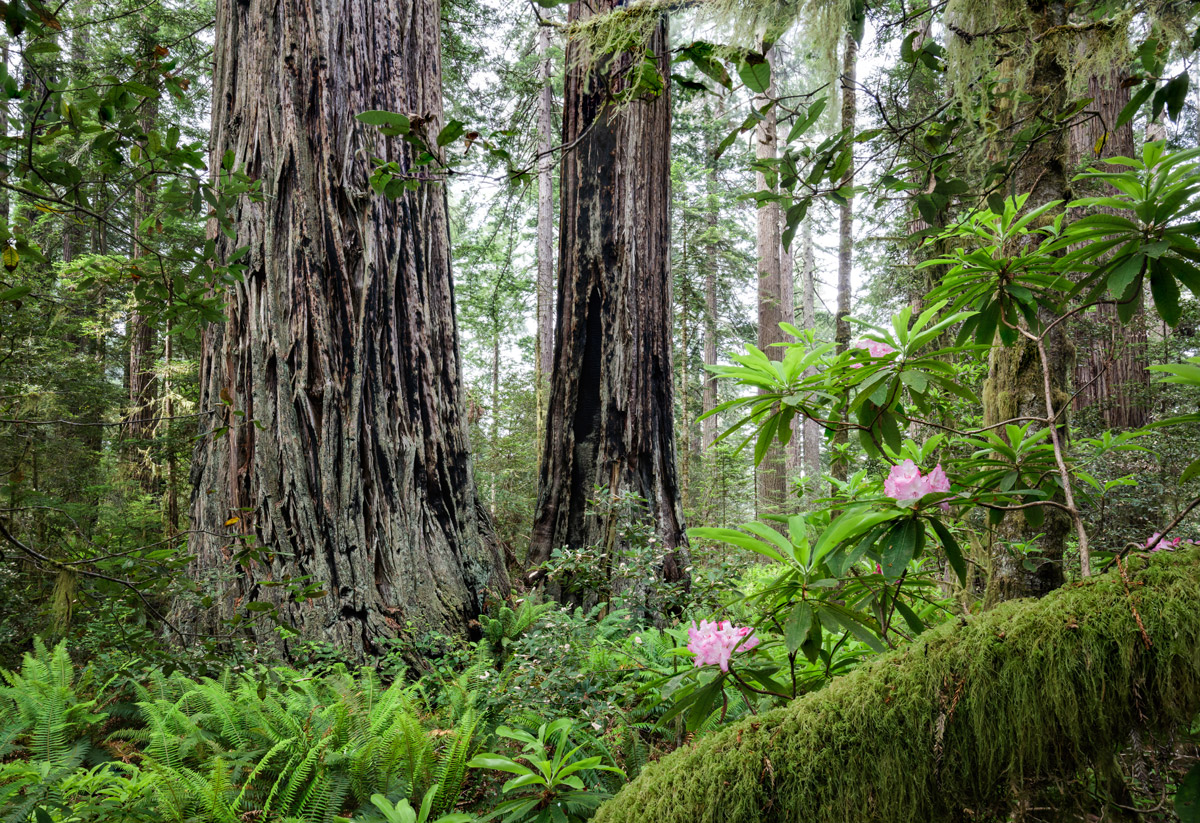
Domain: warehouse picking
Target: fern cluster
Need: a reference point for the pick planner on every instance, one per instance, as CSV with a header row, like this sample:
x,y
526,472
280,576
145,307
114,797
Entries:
x,y
278,745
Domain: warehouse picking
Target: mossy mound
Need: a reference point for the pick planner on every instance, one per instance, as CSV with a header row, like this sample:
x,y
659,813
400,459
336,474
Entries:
x,y
955,721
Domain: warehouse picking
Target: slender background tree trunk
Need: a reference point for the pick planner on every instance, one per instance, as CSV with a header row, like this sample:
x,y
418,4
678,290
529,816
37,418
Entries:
x,y
812,431
1110,370
708,426
545,234
771,473
841,335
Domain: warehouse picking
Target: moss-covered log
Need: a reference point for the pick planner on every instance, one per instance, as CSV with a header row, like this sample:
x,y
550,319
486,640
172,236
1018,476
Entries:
x,y
1032,689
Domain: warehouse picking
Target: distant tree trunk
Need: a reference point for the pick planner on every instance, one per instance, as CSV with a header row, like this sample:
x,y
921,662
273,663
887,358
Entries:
x,y
611,415
794,451
351,464
771,474
4,132
495,415
73,228
708,426
839,467
685,445
545,235
812,430
172,512
1015,382
1110,371
142,337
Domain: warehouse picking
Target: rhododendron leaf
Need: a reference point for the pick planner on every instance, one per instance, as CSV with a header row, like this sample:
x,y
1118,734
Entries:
x,y
852,622
950,546
890,431
797,627
1035,516
736,538
767,533
900,546
1190,472
910,617
765,435
851,523
1165,291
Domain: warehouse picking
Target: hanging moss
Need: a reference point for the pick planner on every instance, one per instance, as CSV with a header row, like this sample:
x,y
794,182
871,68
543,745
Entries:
x,y
734,24
958,720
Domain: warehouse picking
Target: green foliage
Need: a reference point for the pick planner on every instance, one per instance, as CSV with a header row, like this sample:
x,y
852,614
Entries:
x,y
548,786
403,812
284,744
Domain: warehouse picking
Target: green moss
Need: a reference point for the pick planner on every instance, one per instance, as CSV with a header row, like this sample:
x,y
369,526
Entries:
x,y
1029,690
734,24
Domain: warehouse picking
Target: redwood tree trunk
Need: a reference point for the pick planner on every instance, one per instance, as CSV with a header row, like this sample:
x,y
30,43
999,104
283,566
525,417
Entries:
x,y
142,337
771,474
1110,371
708,426
812,430
610,421
351,463
545,233
839,467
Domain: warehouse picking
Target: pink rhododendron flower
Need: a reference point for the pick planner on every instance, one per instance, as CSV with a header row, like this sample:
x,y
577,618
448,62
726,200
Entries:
x,y
905,483
1159,543
874,348
714,642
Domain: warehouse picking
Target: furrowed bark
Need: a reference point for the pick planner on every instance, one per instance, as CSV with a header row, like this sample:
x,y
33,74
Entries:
x,y
351,463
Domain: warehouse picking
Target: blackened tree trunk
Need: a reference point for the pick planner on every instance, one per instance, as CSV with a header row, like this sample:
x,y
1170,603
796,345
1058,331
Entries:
x,y
351,463
610,422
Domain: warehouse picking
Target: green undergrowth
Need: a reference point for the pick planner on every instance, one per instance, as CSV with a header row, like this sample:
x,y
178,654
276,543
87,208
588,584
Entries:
x,y
959,720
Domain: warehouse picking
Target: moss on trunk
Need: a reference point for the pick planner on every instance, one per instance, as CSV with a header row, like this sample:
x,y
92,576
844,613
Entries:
x,y
1031,689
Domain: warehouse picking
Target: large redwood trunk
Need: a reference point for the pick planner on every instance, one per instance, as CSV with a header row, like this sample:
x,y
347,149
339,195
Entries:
x,y
610,420
351,464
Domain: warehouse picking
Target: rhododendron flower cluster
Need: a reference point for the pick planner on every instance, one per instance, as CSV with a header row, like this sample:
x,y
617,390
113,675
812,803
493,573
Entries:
x,y
874,348
906,483
1159,543
714,642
